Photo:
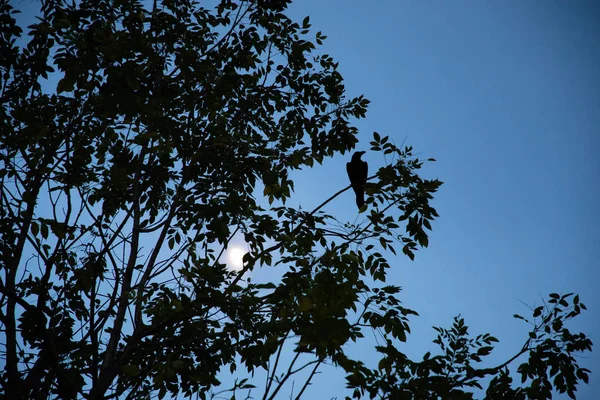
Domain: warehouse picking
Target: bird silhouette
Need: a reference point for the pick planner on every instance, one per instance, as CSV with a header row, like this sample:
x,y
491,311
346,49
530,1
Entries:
x,y
357,172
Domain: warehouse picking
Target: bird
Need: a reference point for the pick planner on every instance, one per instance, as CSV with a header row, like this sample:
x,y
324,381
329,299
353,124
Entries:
x,y
357,172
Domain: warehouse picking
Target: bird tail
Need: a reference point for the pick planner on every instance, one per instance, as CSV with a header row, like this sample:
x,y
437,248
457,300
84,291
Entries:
x,y
360,199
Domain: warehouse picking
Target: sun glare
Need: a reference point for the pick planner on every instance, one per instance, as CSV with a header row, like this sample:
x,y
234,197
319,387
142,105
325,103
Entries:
x,y
235,256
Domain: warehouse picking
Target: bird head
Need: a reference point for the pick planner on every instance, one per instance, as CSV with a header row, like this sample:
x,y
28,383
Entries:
x,y
357,155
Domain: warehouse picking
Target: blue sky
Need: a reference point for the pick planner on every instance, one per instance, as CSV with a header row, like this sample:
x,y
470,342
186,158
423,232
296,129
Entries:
x,y
506,96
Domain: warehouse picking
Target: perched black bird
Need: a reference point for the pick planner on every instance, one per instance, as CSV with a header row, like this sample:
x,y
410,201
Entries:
x,y
357,172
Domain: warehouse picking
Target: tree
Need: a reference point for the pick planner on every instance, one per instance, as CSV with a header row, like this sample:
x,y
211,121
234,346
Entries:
x,y
136,143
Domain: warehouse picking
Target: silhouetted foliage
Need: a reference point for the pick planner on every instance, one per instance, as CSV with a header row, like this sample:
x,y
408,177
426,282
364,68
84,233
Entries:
x,y
136,144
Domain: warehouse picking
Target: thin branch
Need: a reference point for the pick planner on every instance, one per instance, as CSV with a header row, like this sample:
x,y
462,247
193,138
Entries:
x,y
287,375
309,379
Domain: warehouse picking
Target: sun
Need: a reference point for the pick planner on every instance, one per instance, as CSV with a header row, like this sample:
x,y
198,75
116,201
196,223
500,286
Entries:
x,y
235,256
